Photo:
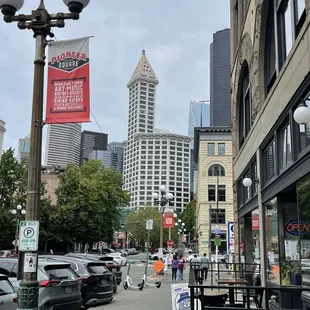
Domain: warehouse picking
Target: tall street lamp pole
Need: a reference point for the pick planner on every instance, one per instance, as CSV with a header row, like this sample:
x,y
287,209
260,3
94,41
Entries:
x,y
18,213
162,201
41,23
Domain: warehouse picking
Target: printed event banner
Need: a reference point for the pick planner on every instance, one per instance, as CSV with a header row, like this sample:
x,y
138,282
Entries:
x,y
68,98
168,220
180,295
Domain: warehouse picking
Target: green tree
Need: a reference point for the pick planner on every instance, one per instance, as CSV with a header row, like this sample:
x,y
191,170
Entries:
x,y
137,226
89,200
188,217
13,191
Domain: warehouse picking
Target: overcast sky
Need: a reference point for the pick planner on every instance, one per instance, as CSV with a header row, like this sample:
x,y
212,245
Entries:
x,y
176,35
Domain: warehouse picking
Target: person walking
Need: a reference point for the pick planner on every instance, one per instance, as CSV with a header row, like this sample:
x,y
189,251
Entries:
x,y
197,267
180,268
205,264
174,267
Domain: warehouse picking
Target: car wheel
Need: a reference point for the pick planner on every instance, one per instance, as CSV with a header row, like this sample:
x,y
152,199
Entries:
x,y
125,285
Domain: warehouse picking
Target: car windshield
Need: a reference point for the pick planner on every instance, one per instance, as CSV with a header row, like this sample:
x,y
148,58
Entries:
x,y
96,269
60,273
5,287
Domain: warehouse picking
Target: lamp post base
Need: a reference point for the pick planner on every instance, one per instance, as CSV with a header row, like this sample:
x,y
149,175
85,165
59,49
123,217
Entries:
x,y
28,295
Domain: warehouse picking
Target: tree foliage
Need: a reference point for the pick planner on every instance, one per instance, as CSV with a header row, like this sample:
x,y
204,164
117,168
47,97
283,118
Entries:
x,y
89,200
136,223
188,216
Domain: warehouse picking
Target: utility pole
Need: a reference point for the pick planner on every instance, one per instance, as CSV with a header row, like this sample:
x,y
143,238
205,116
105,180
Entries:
x,y
41,23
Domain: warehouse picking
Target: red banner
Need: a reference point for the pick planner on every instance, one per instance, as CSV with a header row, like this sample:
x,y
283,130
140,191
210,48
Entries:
x,y
168,220
68,99
255,222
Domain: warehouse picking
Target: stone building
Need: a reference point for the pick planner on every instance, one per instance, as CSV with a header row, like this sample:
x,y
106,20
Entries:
x,y
214,200
270,64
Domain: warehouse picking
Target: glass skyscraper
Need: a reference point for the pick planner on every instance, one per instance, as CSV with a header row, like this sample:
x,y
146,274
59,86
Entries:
x,y
199,116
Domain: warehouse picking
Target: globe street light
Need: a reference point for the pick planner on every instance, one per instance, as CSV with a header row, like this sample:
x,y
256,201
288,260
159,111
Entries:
x,y
302,114
41,23
162,200
18,213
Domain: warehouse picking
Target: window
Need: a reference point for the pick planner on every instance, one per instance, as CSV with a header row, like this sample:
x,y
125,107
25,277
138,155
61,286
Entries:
x,y
216,170
210,148
218,216
211,192
270,50
245,107
285,147
222,193
221,149
304,133
270,161
290,18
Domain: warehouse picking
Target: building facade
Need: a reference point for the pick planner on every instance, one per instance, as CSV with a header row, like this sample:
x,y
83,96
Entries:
x,y
23,151
214,200
198,116
141,119
163,160
2,131
117,149
92,141
270,80
153,157
63,144
220,79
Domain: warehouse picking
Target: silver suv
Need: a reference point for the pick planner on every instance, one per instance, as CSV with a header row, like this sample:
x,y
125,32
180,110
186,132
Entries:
x,y
59,288
8,298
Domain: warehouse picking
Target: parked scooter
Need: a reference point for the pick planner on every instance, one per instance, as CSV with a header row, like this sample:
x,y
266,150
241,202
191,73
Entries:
x,y
128,282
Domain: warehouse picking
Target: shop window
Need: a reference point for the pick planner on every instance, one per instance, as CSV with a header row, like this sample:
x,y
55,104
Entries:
x,y
221,193
270,161
303,200
216,170
210,148
221,149
218,216
272,241
245,106
211,192
270,50
255,235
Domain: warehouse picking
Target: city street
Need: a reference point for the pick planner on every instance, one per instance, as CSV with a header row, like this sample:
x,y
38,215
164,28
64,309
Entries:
x,y
149,298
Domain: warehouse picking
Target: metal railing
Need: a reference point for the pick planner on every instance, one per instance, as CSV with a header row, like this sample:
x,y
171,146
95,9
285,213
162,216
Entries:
x,y
213,296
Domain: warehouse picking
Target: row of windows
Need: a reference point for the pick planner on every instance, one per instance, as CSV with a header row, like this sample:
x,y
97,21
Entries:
x,y
220,149
284,21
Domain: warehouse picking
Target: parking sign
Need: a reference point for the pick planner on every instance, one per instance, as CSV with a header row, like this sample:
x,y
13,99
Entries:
x,y
28,236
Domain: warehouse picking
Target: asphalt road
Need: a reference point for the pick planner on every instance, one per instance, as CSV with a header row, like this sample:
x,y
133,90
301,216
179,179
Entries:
x,y
149,298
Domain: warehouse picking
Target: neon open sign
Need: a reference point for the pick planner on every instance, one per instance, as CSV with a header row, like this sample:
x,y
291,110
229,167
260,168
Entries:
x,y
295,228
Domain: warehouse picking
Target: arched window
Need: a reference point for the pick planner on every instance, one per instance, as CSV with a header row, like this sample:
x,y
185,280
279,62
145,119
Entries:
x,y
216,170
245,104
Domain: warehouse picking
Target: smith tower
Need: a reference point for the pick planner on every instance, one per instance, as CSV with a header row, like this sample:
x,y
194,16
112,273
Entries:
x,y
141,118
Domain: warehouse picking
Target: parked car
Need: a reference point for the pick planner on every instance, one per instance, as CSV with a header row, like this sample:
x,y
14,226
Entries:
x,y
107,260
124,253
8,253
119,258
97,280
59,285
8,297
107,251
